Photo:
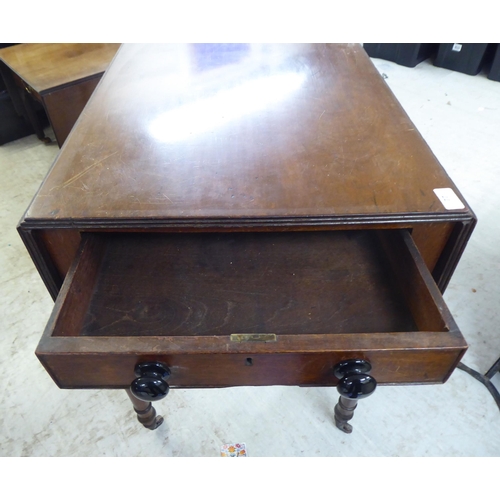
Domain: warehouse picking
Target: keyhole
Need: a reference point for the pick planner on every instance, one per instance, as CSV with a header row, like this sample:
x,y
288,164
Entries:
x,y
249,362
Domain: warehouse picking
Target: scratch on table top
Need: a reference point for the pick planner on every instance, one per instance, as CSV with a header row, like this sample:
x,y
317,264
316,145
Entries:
x,y
345,55
84,171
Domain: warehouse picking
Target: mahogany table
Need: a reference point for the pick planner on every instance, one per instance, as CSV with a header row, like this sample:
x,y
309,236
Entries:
x,y
60,76
228,215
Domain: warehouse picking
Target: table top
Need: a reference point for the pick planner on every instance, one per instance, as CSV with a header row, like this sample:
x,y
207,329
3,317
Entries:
x,y
261,134
44,66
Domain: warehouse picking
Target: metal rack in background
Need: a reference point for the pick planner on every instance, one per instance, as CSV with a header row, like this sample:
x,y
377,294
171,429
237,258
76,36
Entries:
x,y
486,378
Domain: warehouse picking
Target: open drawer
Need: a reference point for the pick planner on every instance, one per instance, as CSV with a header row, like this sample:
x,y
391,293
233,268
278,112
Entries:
x,y
263,308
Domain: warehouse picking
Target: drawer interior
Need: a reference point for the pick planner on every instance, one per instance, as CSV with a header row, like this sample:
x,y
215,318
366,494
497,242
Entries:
x,y
218,284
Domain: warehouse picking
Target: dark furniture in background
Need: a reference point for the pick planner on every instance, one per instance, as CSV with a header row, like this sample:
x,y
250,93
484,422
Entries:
x,y
494,73
56,76
14,123
406,54
468,58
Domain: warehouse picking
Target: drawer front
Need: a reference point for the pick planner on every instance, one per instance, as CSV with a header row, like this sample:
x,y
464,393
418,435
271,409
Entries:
x,y
224,370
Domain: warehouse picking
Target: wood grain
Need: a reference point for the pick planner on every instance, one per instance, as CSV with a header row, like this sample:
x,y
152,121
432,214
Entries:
x,y
291,133
414,366
219,284
65,105
45,66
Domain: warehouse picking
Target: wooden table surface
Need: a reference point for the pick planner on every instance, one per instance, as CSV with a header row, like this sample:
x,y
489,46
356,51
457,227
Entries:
x,y
45,66
248,132
243,137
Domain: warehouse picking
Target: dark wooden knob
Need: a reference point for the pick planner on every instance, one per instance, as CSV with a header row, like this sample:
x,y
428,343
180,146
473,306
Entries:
x,y
150,384
354,381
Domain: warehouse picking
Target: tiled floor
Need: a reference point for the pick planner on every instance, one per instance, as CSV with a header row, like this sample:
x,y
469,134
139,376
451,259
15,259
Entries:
x,y
459,116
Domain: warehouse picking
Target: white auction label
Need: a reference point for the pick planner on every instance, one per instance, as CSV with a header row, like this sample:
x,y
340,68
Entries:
x,y
449,199
457,47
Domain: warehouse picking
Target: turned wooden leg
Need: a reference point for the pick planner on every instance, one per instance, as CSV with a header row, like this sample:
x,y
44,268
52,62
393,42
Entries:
x,y
146,413
150,385
344,411
33,118
354,383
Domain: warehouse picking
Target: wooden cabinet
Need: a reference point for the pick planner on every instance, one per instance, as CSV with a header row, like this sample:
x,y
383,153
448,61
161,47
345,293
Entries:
x,y
60,76
246,215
